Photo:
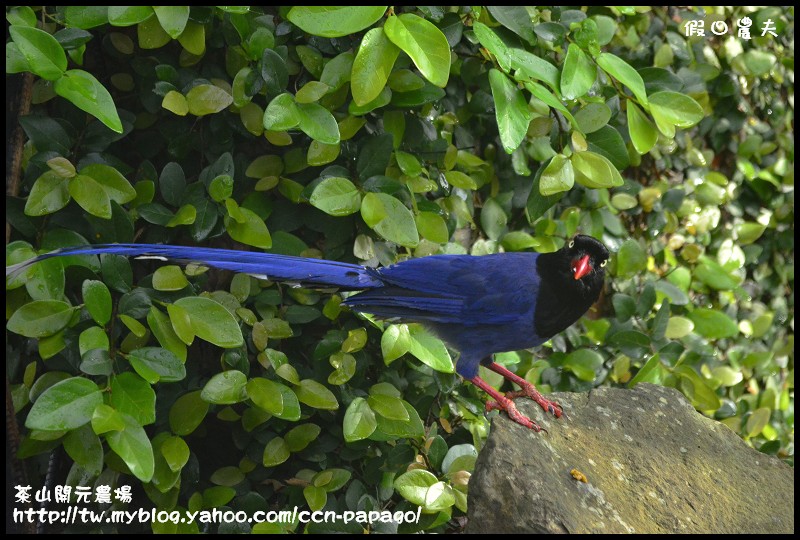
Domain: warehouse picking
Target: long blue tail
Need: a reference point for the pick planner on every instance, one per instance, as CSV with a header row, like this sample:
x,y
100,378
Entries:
x,y
270,266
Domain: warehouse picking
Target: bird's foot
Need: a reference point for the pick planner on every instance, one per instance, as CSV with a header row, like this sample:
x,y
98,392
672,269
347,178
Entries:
x,y
549,406
527,390
505,404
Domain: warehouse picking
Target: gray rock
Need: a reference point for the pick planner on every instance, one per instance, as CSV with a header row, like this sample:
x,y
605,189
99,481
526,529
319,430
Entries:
x,y
653,464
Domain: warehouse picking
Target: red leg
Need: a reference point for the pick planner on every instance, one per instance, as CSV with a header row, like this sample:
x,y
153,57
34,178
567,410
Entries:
x,y
527,390
504,404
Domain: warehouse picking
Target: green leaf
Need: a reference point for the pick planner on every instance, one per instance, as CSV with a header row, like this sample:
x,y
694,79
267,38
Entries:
x,y
713,324
105,419
159,364
318,123
429,349
172,19
267,395
90,195
187,413
253,231
274,72
85,448
316,395
132,445
40,318
388,406
49,194
432,227
275,452
511,110
176,453
93,337
132,395
359,421
671,109
584,363
316,497
161,326
395,342
557,177
225,388
424,43
595,171
44,54
631,258
578,73
128,15
460,180
757,421
642,131
68,404
207,99
624,73
212,322
372,66
593,117
97,299
336,196
678,327
281,114
169,278
88,94
413,485
390,218
534,67
185,215
338,21
298,438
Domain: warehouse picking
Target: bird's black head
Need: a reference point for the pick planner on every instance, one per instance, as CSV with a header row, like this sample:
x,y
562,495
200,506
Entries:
x,y
572,279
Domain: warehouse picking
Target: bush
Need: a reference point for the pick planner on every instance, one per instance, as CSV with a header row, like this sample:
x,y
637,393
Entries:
x,y
370,136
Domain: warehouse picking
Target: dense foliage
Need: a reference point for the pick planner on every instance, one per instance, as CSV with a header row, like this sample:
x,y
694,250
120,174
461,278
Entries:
x,y
371,135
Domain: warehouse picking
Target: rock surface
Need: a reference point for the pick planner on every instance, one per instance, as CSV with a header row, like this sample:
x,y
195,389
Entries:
x,y
653,465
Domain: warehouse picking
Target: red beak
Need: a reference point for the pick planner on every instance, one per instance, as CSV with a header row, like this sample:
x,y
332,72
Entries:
x,y
581,267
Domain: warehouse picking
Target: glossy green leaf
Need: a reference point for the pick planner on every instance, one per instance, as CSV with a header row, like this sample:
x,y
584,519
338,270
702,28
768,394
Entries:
x,y
359,420
578,73
642,131
338,21
207,99
44,54
511,110
225,388
624,73
49,194
90,195
133,446
336,196
40,318
671,109
68,404
413,485
156,364
212,322
557,177
275,452
132,395
187,413
390,218
429,349
88,94
315,395
372,66
318,123
595,171
97,299
424,43
172,19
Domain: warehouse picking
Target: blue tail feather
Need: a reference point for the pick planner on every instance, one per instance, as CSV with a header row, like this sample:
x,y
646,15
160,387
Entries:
x,y
264,265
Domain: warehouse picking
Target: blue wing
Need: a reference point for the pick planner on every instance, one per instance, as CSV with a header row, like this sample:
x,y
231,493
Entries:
x,y
455,289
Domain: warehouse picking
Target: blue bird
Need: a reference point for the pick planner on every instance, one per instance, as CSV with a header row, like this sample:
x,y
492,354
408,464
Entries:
x,y
478,305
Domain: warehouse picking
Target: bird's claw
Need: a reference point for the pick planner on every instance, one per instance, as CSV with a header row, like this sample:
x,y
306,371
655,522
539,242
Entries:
x,y
529,391
514,414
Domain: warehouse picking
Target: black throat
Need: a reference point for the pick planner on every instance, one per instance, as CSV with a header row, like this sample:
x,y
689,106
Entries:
x,y
562,299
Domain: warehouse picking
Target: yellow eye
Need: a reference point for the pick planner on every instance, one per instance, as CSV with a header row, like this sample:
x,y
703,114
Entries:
x,y
602,264
572,243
